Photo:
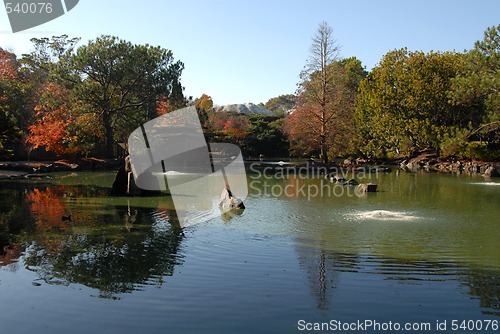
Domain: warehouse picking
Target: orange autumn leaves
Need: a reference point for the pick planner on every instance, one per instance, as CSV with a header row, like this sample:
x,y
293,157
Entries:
x,y
234,126
57,128
8,65
53,119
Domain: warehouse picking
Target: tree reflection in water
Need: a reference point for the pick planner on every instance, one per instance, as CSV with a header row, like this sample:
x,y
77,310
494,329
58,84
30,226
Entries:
x,y
114,248
324,268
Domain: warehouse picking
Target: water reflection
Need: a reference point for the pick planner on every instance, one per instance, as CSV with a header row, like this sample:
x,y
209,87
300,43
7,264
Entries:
x,y
114,246
327,271
418,248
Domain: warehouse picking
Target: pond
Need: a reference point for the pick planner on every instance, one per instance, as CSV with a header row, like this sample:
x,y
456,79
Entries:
x,y
306,254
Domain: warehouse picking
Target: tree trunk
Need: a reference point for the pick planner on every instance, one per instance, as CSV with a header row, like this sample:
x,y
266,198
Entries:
x,y
324,154
108,131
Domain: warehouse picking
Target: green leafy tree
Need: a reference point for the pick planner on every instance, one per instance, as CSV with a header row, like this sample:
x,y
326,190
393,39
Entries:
x,y
403,105
266,137
347,75
13,96
476,87
281,104
59,122
48,63
122,82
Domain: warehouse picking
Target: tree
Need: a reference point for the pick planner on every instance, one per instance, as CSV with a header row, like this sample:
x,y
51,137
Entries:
x,y
56,127
52,122
232,126
13,97
9,67
304,124
122,83
347,76
48,63
403,105
314,103
204,103
204,106
281,104
475,88
265,136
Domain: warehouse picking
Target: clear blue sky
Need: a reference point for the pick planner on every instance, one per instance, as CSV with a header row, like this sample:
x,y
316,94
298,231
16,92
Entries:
x,y
242,51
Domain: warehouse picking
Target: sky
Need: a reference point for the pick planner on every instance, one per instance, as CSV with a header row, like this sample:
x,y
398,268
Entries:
x,y
241,51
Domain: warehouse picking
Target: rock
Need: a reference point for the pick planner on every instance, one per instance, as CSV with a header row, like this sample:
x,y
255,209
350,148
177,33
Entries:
x,y
128,164
403,163
366,188
11,174
423,159
491,171
124,183
351,182
132,188
120,184
229,202
337,178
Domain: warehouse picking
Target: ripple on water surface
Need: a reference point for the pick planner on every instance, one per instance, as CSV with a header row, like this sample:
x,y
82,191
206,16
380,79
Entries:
x,y
384,215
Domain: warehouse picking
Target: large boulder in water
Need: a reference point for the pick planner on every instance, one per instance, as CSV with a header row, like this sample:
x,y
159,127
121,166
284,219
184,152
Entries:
x,y
351,182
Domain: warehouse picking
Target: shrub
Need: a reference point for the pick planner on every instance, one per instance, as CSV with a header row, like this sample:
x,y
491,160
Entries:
x,y
480,151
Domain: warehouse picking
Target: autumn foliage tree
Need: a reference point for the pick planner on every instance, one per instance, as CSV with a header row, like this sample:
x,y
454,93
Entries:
x,y
316,91
310,127
204,106
53,119
298,125
9,68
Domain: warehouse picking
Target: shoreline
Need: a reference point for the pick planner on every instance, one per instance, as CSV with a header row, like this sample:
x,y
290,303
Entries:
x,y
18,169
432,163
427,162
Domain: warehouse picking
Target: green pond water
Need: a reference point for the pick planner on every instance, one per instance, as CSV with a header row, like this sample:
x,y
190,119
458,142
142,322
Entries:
x,y
423,250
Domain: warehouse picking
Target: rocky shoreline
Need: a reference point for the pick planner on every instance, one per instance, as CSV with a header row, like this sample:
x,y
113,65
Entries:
x,y
432,163
17,169
428,162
